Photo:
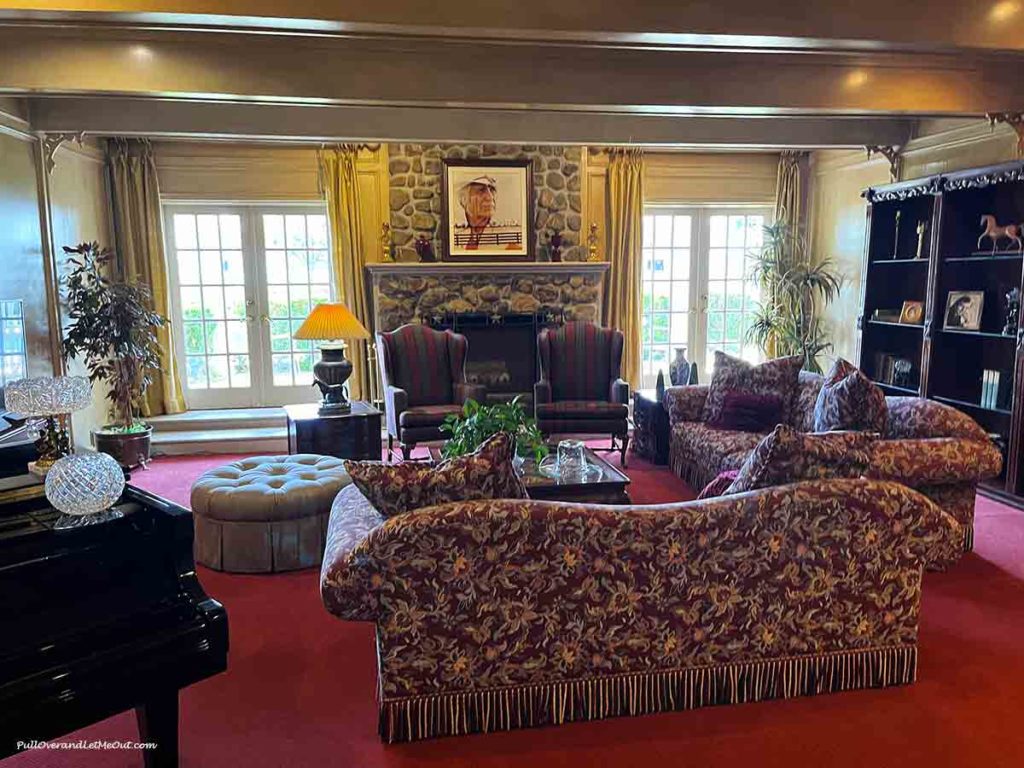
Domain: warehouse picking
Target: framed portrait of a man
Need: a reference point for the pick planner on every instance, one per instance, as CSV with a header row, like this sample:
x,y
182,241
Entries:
x,y
487,210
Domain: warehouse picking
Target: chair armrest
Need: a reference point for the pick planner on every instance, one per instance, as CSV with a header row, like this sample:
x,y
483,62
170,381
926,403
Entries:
x,y
934,460
396,401
542,392
619,391
463,391
685,403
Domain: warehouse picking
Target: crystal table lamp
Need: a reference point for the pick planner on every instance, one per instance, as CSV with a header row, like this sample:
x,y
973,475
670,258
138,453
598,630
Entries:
x,y
84,486
50,398
332,323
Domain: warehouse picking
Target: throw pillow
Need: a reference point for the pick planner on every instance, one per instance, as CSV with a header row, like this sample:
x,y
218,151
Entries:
x,y
788,456
747,412
719,485
777,378
849,400
486,473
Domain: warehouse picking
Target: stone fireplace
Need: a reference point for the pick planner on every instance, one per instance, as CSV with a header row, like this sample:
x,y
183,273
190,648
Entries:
x,y
499,307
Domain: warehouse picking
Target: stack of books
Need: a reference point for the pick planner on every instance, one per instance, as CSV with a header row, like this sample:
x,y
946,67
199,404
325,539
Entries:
x,y
989,389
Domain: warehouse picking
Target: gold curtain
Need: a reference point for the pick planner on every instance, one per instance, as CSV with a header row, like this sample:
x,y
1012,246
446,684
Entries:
x,y
139,241
625,224
340,187
789,190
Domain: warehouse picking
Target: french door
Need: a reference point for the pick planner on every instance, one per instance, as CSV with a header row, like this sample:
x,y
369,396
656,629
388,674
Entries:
x,y
695,281
242,280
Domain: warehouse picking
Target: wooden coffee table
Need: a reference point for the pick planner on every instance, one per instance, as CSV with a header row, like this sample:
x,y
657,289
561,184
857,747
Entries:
x,y
608,487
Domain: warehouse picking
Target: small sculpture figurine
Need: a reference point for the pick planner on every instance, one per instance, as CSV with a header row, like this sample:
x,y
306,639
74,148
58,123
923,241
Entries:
x,y
1012,312
659,386
995,232
385,242
425,249
922,227
592,243
555,242
896,236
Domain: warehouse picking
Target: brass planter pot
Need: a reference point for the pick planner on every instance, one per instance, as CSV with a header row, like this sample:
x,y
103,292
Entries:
x,y
128,449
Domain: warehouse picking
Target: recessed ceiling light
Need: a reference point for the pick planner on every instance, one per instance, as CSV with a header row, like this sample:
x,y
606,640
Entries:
x,y
1004,10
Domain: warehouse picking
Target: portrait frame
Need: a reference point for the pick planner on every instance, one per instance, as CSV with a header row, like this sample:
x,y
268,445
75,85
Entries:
x,y
912,313
971,321
515,179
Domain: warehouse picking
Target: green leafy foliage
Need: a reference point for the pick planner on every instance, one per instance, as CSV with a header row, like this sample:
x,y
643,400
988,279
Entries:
x,y
112,329
788,320
478,422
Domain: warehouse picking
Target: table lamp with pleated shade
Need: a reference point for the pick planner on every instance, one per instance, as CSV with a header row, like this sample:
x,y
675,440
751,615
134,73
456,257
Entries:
x,y
332,324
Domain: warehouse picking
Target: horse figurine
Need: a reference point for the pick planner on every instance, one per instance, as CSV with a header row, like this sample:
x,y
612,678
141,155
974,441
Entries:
x,y
995,232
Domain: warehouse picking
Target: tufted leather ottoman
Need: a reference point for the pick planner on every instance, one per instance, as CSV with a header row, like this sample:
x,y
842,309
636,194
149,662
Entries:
x,y
265,513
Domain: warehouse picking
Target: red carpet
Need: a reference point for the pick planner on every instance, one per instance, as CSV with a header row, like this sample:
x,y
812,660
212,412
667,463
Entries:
x,y
300,686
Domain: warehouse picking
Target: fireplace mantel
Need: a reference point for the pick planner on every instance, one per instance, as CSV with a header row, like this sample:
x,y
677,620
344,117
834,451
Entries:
x,y
402,293
447,269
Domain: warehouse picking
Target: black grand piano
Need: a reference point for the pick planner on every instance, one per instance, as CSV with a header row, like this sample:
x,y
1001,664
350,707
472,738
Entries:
x,y
100,619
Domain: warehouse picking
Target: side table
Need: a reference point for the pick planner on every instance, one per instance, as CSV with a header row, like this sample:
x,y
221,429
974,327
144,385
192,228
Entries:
x,y
353,435
650,426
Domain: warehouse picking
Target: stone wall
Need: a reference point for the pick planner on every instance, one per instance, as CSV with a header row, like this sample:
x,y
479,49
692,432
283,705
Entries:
x,y
415,192
400,299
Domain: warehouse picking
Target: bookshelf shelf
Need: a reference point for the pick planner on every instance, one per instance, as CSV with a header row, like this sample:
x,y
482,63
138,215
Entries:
x,y
986,257
982,334
894,323
961,368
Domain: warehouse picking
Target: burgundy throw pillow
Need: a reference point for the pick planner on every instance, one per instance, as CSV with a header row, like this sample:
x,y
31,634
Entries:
x,y
777,378
487,473
849,400
788,456
719,485
749,412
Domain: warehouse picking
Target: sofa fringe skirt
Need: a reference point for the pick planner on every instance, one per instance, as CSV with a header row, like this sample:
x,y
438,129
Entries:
x,y
451,714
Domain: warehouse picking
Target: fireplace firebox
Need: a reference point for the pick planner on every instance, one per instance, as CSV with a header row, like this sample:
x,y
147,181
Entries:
x,y
502,350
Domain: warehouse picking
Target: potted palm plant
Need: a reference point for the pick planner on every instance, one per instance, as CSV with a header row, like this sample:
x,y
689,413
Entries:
x,y
113,330
793,294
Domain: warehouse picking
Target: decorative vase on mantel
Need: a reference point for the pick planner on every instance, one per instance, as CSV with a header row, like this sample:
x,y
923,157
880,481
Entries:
x,y
680,370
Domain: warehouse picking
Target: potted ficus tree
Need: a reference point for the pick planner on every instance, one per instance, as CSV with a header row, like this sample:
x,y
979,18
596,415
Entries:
x,y
113,330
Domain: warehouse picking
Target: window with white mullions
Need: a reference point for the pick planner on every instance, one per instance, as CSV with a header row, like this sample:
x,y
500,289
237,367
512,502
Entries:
x,y
666,279
243,280
732,296
696,291
298,278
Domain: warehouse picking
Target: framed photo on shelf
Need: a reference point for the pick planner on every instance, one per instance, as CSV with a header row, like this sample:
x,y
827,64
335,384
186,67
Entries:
x,y
487,210
963,310
912,313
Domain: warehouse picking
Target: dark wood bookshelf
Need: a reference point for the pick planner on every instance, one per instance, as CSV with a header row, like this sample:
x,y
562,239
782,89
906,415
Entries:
x,y
948,364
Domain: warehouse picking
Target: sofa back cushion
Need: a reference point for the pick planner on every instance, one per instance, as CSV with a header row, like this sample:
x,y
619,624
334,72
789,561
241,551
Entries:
x,y
417,360
849,400
731,374
807,388
788,456
580,360
487,473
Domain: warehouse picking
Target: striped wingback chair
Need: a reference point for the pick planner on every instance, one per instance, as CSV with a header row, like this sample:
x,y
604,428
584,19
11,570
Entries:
x,y
424,373
580,391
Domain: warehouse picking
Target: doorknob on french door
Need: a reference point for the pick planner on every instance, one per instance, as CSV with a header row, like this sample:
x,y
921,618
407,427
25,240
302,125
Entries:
x,y
265,319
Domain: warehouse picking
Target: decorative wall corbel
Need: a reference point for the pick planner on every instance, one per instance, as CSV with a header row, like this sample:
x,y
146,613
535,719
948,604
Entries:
x,y
890,153
1013,119
51,143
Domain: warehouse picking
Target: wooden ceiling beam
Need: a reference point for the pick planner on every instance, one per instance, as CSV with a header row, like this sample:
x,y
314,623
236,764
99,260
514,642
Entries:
x,y
171,118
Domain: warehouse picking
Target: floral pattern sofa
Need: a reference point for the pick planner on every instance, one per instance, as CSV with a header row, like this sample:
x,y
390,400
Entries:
x,y
504,614
926,445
